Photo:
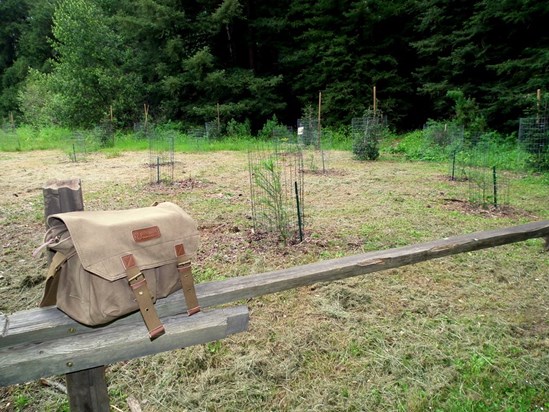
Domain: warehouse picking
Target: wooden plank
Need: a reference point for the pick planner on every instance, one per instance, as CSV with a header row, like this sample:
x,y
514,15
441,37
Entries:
x,y
26,362
47,323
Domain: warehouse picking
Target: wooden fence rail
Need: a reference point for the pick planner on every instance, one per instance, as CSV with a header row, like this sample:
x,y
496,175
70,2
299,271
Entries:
x,y
26,329
36,325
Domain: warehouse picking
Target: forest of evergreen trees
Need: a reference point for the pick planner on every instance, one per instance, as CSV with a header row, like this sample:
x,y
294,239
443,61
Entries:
x,y
69,61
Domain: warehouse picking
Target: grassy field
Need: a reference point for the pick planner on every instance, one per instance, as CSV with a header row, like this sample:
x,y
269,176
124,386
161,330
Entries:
x,y
463,333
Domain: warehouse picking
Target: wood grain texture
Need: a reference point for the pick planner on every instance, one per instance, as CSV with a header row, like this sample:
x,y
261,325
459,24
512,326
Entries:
x,y
87,390
49,323
31,361
62,196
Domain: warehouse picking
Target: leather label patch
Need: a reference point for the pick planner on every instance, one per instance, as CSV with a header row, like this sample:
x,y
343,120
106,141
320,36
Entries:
x,y
128,261
148,233
179,250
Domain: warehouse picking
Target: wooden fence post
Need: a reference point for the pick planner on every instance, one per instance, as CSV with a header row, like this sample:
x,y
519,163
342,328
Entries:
x,y
87,389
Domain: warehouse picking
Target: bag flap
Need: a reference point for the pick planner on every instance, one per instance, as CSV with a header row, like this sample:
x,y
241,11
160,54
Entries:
x,y
101,238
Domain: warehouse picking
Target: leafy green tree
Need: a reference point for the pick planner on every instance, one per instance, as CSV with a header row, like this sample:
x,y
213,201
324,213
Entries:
x,y
467,113
31,47
495,52
516,39
38,101
88,70
441,26
344,48
13,15
158,34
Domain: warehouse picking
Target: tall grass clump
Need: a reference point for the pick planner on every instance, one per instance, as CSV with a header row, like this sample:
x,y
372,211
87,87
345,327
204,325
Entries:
x,y
412,147
26,138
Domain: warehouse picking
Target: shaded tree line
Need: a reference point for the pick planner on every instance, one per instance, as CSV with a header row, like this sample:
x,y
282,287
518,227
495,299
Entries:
x,y
73,61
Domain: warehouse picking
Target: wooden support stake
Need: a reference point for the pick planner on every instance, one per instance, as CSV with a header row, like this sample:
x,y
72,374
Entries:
x,y
146,111
375,101
320,131
218,118
319,113
87,389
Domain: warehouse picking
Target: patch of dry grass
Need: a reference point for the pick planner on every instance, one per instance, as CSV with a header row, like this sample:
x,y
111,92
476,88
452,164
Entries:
x,y
468,332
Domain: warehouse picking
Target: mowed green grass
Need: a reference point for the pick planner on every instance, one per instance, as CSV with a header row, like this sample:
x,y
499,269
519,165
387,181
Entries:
x,y
462,333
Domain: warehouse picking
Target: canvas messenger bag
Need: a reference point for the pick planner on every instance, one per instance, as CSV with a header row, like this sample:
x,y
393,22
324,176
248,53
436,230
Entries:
x,y
107,264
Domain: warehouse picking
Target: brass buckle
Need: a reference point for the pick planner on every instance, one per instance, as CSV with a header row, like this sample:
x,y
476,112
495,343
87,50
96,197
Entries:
x,y
184,265
134,278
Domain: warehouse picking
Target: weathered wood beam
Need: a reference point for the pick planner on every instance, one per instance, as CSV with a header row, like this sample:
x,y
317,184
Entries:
x,y
62,196
87,390
47,323
31,361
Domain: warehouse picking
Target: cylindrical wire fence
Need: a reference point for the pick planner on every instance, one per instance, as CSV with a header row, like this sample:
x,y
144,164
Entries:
x,y
9,139
79,145
161,155
533,140
198,136
367,132
213,130
277,191
104,133
314,144
448,137
488,181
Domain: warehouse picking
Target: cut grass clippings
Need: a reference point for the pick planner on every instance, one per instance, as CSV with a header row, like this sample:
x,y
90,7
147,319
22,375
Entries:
x,y
468,332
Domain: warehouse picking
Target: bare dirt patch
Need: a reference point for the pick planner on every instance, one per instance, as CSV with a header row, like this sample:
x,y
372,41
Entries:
x,y
487,211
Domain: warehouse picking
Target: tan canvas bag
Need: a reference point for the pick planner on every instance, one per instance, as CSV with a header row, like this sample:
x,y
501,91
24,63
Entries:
x,y
107,264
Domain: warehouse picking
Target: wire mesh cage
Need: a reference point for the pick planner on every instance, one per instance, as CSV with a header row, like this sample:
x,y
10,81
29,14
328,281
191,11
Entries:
x,y
488,182
9,139
161,156
309,133
198,136
314,144
367,132
284,135
141,129
104,133
277,191
445,137
213,130
533,139
79,146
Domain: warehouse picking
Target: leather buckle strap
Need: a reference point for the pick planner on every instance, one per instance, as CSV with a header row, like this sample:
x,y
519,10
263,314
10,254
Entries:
x,y
187,281
138,284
